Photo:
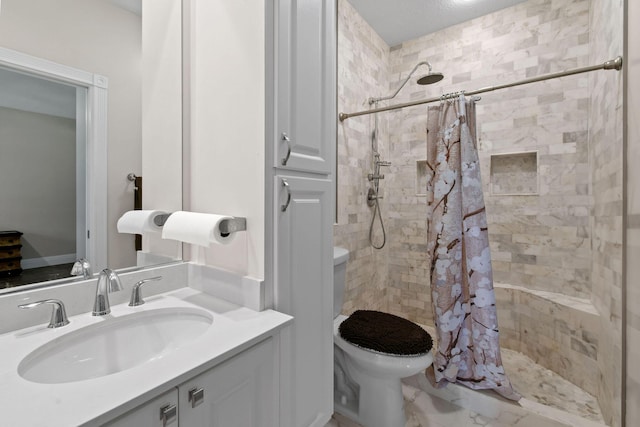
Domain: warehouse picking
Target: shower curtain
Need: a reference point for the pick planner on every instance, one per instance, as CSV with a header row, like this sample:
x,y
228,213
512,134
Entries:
x,y
462,293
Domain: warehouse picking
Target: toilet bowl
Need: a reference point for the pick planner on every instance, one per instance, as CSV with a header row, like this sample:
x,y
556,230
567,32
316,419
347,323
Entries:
x,y
367,383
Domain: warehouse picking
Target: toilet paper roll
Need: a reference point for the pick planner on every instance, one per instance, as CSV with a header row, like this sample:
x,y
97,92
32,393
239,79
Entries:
x,y
197,228
139,222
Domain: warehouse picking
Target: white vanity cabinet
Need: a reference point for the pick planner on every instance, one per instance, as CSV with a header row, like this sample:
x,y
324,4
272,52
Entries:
x,y
239,392
305,79
300,163
304,291
159,412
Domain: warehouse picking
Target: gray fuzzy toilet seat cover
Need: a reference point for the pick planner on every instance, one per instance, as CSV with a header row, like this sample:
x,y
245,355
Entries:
x,y
386,333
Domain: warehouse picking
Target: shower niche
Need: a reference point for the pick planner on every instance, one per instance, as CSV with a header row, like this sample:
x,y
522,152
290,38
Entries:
x,y
421,178
514,174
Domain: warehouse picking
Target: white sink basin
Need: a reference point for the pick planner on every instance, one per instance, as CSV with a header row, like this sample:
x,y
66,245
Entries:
x,y
114,345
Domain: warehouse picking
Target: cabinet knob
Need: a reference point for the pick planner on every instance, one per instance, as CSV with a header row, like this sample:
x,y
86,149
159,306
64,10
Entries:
x,y
168,414
196,396
286,139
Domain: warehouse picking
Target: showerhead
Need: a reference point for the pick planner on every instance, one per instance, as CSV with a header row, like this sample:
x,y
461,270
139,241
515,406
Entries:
x,y
426,80
430,78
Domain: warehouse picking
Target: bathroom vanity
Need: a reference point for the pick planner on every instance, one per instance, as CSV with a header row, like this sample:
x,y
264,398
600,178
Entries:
x,y
184,358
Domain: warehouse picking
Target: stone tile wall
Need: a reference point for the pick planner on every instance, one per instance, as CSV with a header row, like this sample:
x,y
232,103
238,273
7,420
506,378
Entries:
x,y
606,178
632,154
557,331
540,243
362,65
537,241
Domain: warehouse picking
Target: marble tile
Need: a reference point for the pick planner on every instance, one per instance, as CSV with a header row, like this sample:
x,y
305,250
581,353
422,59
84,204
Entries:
x,y
548,400
434,409
538,384
605,142
566,241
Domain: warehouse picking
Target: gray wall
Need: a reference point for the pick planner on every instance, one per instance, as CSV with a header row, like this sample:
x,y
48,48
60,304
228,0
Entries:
x,y
37,168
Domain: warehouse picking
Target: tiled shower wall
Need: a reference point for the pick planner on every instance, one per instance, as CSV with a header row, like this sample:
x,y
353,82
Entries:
x,y
632,231
538,241
363,58
606,177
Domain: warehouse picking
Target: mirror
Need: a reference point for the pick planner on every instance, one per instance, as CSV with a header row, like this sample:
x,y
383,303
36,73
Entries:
x,y
51,212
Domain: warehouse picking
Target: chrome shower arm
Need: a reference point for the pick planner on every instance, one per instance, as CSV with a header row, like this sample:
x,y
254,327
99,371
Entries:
x,y
384,98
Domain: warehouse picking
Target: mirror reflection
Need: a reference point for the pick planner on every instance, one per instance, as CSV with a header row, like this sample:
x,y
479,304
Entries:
x,y
42,141
44,167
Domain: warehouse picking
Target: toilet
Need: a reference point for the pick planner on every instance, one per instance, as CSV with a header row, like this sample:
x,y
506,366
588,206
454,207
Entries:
x,y
367,382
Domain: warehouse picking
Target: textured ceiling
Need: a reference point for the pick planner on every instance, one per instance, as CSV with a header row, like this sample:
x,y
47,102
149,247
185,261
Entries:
x,y
397,21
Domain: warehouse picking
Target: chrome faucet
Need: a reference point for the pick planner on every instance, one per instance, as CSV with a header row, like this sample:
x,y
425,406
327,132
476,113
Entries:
x,y
82,268
107,282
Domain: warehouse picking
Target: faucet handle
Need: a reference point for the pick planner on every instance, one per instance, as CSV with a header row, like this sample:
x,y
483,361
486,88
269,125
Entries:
x,y
82,268
136,297
58,315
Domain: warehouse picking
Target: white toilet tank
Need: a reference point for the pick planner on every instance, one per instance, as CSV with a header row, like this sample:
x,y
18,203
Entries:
x,y
340,258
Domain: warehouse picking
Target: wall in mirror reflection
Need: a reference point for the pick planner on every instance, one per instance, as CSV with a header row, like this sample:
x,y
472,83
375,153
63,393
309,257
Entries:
x,y
97,36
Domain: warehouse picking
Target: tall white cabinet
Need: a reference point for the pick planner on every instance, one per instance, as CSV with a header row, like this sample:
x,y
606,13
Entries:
x,y
300,153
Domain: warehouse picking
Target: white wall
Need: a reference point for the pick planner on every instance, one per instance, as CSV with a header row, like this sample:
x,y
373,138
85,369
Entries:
x,y
162,115
227,126
94,36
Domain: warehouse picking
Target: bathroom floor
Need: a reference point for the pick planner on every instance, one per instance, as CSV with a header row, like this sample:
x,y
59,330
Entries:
x,y
548,400
34,275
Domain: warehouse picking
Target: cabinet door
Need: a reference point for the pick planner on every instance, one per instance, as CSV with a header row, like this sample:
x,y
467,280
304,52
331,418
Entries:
x,y
306,88
159,412
304,289
241,392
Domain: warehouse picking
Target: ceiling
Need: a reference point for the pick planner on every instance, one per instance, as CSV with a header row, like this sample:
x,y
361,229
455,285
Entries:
x,y
397,21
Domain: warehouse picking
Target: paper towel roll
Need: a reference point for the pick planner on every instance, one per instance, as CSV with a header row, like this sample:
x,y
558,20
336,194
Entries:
x,y
139,222
197,228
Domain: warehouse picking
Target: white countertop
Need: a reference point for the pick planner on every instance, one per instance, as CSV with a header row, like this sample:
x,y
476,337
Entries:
x,y
97,400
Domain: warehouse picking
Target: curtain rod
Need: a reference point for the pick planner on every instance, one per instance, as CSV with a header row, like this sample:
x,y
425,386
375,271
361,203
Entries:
x,y
614,64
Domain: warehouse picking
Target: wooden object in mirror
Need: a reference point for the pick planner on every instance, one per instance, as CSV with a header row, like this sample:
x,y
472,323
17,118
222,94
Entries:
x,y
10,253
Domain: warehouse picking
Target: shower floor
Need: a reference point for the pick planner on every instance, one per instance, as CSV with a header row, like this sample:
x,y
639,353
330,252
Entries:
x,y
547,398
546,387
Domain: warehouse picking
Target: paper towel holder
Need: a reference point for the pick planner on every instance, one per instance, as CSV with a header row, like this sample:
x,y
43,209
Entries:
x,y
160,219
231,225
227,226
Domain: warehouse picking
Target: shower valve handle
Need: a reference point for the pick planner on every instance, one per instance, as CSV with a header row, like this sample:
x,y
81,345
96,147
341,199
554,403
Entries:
x,y
372,177
372,197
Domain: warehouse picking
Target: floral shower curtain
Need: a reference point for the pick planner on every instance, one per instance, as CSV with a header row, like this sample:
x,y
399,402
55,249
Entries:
x,y
463,299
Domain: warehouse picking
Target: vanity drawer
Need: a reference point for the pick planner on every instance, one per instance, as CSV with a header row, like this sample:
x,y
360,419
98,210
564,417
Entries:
x,y
9,251
9,238
10,267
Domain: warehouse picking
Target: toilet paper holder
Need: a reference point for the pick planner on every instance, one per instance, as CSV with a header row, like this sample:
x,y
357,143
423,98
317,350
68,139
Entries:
x,y
226,227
